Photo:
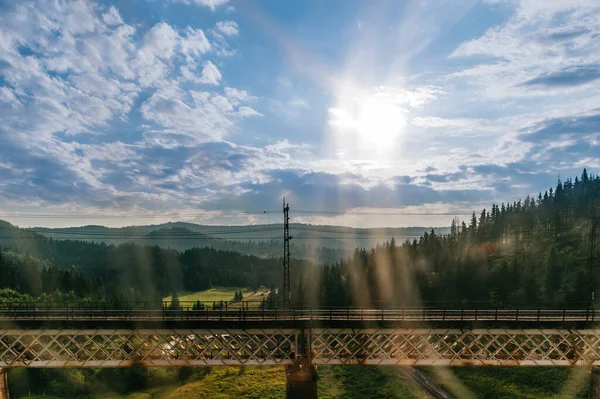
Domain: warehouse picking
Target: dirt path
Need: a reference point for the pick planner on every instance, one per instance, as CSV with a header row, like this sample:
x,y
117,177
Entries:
x,y
422,381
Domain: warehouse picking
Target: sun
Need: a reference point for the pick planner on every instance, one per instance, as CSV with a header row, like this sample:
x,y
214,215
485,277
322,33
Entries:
x,y
379,119
374,118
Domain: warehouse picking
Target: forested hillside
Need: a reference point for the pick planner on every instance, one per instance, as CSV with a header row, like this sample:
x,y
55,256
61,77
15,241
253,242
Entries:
x,y
535,251
262,241
124,272
316,243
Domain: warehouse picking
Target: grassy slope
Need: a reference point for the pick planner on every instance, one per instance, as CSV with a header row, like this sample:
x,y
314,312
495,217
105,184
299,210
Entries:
x,y
364,382
219,294
516,382
225,382
269,383
369,382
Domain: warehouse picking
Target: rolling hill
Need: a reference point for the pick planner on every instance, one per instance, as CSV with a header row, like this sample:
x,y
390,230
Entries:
x,y
314,242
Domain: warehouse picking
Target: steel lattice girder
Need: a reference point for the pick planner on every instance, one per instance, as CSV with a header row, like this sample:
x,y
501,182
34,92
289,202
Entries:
x,y
218,347
439,347
161,347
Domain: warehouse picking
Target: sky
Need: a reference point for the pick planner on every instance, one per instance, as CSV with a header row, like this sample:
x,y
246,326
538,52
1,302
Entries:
x,y
377,113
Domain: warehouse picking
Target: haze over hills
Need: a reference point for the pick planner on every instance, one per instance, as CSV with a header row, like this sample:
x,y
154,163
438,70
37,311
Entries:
x,y
314,242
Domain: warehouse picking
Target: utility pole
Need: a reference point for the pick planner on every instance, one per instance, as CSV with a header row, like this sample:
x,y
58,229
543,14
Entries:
x,y
287,294
591,269
301,375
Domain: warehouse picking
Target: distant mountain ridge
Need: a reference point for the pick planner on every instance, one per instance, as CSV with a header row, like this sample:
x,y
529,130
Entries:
x,y
234,230
258,232
321,243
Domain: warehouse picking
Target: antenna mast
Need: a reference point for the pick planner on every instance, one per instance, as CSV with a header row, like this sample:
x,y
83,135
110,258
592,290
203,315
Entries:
x,y
287,294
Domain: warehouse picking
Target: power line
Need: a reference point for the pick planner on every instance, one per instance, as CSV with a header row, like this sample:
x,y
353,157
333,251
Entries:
x,y
249,238
207,235
378,231
233,213
381,213
149,234
134,216
348,212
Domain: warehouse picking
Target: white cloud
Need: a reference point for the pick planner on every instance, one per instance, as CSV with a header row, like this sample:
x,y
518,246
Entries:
x,y
91,93
210,74
188,72
248,111
228,28
7,96
175,111
542,64
204,116
544,41
194,42
154,61
112,17
221,46
76,17
416,97
452,123
212,4
161,41
76,68
236,95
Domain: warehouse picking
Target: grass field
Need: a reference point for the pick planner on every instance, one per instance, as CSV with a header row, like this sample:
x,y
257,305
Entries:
x,y
357,382
515,382
217,294
371,382
269,383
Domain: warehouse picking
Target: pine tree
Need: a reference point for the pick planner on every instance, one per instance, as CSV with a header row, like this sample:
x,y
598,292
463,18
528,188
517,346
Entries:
x,y
473,227
453,228
175,305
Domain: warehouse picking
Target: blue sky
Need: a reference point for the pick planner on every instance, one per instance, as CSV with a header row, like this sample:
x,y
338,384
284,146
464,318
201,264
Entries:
x,y
143,111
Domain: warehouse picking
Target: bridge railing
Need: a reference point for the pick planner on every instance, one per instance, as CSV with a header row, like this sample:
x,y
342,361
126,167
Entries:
x,y
258,305
142,312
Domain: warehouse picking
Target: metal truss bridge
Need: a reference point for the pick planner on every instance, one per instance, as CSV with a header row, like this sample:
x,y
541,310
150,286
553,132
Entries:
x,y
79,335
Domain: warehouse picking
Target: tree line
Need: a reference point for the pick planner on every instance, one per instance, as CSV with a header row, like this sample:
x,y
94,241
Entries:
x,y
531,252
35,265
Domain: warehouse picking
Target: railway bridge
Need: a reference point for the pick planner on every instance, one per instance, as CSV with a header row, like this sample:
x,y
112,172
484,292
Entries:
x,y
100,335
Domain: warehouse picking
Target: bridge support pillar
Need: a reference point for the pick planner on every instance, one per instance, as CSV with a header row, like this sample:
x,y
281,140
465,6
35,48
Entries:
x,y
301,380
3,384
